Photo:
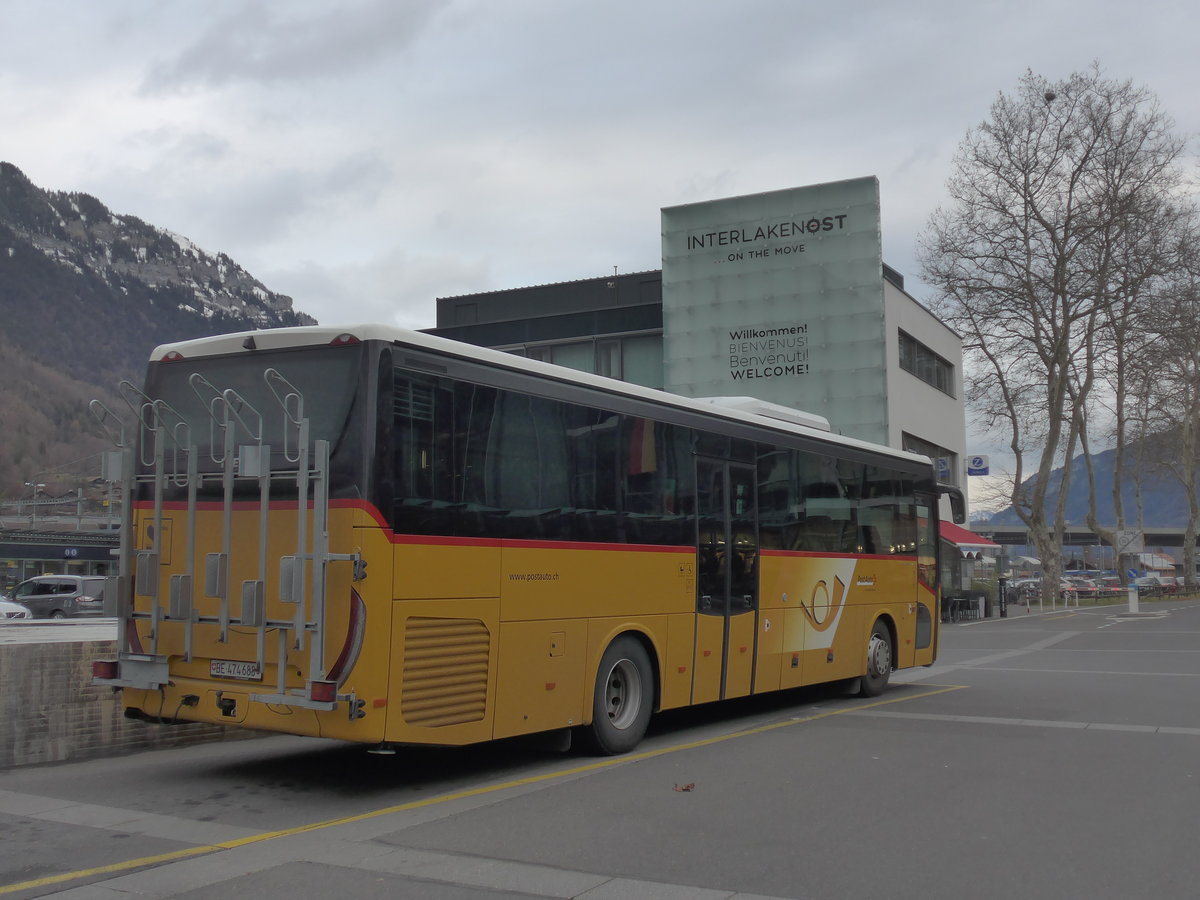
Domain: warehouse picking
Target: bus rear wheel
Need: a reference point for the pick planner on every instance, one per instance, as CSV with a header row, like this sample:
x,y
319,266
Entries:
x,y
879,660
623,698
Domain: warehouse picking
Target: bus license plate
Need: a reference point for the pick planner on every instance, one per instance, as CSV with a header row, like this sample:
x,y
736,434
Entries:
x,y
232,668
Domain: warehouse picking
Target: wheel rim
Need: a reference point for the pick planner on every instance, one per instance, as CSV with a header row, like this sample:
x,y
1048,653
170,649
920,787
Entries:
x,y
623,693
879,656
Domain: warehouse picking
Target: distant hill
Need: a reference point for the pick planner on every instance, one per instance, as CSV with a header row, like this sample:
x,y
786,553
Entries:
x,y
1163,501
85,295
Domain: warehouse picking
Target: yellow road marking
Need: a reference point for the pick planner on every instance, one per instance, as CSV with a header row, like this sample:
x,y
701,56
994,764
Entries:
x,y
457,795
1055,618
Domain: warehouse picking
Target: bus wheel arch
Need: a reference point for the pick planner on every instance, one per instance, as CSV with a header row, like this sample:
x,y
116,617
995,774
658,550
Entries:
x,y
624,694
881,657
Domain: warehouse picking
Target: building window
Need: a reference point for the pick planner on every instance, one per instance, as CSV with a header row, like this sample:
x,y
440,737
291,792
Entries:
x,y
636,358
608,359
919,360
945,461
580,356
642,360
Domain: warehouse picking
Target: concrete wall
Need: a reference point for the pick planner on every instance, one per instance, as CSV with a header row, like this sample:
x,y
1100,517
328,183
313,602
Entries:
x,y
50,711
914,406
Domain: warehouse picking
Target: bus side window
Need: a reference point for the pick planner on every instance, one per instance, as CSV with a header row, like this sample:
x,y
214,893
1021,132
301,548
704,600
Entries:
x,y
424,448
474,406
880,513
656,483
527,475
592,436
776,492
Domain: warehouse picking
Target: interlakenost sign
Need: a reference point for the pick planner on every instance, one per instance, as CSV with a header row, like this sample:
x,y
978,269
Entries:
x,y
746,239
780,296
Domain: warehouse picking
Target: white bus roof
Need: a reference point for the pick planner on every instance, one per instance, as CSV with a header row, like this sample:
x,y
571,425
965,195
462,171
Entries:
x,y
743,409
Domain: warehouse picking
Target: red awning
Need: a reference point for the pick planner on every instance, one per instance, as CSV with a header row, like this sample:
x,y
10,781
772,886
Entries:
x,y
969,544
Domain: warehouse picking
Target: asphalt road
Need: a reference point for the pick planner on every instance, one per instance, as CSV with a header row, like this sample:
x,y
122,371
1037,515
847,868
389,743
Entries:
x,y
1052,755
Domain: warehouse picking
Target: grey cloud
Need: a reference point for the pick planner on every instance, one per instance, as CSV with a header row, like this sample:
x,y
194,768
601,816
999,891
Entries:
x,y
271,42
392,287
200,147
266,205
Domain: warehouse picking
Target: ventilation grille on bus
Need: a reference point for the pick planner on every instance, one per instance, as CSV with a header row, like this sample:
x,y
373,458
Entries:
x,y
445,671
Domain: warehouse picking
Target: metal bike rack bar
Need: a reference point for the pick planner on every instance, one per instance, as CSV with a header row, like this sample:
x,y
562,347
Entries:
x,y
161,448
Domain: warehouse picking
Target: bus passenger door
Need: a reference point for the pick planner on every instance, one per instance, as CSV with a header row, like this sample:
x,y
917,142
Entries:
x,y
726,580
928,579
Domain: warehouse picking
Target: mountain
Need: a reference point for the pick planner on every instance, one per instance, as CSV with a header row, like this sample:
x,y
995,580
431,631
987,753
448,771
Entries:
x,y
85,295
1164,503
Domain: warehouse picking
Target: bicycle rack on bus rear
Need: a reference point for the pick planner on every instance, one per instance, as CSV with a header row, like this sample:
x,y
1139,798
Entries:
x,y
163,448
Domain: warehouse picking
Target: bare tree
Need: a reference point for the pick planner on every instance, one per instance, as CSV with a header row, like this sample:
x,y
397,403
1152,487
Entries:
x,y
1046,196
1137,254
1173,395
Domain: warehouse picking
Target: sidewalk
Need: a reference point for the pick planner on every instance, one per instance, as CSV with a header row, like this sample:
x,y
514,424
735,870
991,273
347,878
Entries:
x,y
45,631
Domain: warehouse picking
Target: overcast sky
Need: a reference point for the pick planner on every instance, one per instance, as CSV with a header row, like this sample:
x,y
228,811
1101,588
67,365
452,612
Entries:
x,y
368,156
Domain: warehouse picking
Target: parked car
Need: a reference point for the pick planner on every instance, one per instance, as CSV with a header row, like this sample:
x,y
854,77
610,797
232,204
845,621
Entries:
x,y
1019,588
1150,586
1083,587
10,611
62,596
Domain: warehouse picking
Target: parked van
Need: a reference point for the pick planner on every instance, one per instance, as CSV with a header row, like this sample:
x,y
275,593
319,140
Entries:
x,y
62,596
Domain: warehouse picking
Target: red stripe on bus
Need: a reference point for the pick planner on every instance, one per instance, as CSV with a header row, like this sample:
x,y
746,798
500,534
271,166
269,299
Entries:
x,y
818,554
534,544
436,540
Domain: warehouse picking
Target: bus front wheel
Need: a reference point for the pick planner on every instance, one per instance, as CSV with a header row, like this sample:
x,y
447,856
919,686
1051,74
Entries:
x,y
879,660
624,696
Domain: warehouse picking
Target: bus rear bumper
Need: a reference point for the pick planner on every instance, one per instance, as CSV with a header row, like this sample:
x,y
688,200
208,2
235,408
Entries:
x,y
132,670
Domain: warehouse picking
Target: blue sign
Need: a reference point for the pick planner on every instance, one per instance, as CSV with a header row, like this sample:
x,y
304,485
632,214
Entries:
x,y
943,467
977,465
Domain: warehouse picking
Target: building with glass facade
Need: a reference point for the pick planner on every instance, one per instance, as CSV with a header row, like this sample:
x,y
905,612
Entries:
x,y
781,296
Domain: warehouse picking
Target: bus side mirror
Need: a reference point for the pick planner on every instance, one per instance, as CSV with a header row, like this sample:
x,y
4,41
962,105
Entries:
x,y
958,502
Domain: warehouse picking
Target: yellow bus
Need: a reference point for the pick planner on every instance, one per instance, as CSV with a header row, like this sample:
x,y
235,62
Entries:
x,y
378,535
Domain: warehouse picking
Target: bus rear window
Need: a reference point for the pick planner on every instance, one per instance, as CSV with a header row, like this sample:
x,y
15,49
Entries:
x,y
325,380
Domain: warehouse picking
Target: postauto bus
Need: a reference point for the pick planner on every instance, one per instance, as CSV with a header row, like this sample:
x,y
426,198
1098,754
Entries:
x,y
378,535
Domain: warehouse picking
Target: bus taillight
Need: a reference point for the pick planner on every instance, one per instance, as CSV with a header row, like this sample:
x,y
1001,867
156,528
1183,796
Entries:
x,y
343,339
108,669
340,670
322,691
